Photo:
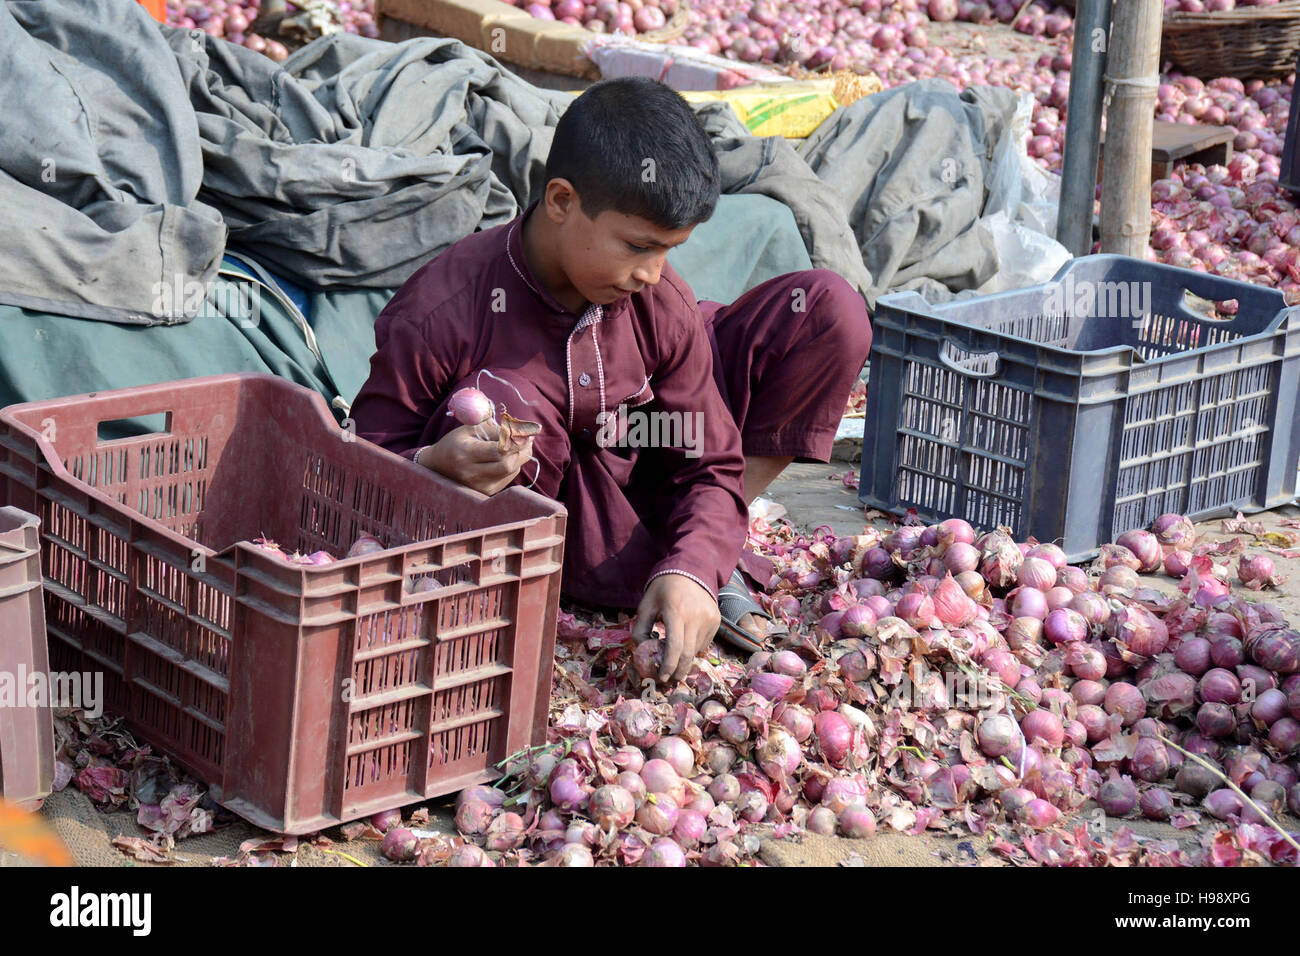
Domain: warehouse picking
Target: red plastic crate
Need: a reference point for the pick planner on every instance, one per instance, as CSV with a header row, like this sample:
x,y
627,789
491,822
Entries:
x,y
26,733
304,696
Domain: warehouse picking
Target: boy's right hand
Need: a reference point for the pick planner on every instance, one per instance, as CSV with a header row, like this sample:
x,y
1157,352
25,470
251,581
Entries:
x,y
465,457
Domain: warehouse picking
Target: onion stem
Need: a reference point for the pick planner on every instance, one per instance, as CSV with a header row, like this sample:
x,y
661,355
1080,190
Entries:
x,y
1235,789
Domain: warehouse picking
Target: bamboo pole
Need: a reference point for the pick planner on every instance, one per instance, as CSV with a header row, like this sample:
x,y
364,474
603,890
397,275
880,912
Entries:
x,y
1131,82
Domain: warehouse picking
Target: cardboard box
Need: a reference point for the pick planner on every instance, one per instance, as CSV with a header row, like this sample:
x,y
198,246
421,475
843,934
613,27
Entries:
x,y
500,30
466,20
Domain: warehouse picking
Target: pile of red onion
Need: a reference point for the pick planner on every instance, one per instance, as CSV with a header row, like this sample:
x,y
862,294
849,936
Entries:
x,y
627,18
933,679
230,20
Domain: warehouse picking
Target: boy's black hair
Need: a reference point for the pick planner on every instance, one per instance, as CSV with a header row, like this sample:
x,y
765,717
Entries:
x,y
633,145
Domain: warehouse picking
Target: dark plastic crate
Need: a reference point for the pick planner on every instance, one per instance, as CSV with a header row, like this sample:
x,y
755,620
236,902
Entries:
x,y
1031,410
304,696
26,732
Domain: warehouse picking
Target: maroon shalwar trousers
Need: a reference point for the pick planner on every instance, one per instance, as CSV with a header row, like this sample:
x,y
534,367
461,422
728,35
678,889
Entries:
x,y
786,372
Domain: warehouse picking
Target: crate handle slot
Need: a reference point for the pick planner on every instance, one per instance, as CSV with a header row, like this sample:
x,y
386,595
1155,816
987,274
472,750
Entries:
x,y
1193,304
964,362
124,421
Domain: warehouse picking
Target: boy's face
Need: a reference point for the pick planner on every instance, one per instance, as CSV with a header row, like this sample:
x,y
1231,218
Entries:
x,y
612,256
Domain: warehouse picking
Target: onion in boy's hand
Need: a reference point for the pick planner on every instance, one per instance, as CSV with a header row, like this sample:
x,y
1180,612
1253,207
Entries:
x,y
690,618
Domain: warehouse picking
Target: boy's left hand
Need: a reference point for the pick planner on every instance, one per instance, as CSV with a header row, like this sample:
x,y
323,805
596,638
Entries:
x,y
690,618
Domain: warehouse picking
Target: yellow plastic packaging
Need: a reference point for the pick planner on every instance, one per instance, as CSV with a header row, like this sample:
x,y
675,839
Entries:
x,y
793,109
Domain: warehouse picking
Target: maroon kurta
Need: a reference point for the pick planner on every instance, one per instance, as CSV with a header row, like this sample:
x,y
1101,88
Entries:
x,y
478,316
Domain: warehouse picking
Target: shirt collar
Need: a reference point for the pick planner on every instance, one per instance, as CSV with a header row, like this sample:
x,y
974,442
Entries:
x,y
515,254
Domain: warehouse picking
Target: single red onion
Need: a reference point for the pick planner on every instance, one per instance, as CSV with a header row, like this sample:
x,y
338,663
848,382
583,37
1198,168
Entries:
x,y
1139,630
1275,648
822,821
1117,556
1094,721
998,736
1058,597
879,564
1256,678
1257,571
1022,631
1223,804
1029,602
1086,661
1227,652
506,832
633,722
1043,728
1126,700
797,720
663,852
1195,780
1036,573
647,659
1216,720
1193,656
661,777
1219,686
469,855
1088,691
725,788
473,817
366,544
399,845
1145,547
1039,814
778,754
1013,799
916,609
1170,695
834,736
1150,760
752,806
1076,733
469,406
1156,804
1117,796
1050,553
1064,625
385,820
774,687
1177,562
631,781
612,807
961,557
690,828
1092,606
572,855
1284,735
1074,579
790,664
658,814
1000,559
857,822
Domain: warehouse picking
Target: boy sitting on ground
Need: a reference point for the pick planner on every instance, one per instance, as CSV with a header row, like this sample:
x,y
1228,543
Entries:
x,y
570,317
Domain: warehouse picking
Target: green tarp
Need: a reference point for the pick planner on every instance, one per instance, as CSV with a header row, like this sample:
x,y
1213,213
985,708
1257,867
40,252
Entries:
x,y
749,239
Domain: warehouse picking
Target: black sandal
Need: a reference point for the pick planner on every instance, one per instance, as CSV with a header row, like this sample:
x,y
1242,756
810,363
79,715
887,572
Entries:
x,y
734,602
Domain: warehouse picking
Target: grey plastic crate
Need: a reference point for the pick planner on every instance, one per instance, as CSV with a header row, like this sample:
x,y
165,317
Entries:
x,y
1078,409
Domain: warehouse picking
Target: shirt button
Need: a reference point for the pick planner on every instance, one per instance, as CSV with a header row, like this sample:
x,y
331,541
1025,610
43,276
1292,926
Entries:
x,y
584,379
